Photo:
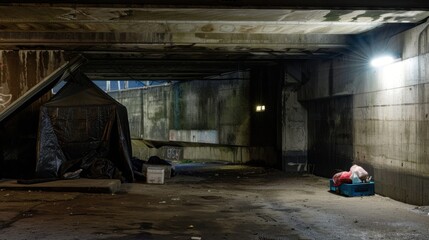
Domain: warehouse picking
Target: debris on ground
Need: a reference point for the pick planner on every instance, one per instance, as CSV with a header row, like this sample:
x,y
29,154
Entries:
x,y
356,174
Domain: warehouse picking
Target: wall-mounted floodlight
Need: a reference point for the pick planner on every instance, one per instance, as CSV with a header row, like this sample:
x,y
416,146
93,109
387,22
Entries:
x,y
384,60
260,108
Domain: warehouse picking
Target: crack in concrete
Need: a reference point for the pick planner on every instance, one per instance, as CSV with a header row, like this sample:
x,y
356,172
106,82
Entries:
x,y
21,215
29,212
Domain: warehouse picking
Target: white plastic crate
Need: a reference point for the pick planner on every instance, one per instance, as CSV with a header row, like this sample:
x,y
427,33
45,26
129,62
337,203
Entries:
x,y
167,169
155,175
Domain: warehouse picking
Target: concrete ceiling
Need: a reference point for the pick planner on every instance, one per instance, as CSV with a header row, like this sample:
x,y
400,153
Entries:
x,y
132,41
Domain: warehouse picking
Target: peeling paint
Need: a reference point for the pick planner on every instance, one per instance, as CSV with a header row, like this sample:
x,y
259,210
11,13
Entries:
x,y
335,16
227,28
121,15
406,16
352,16
207,28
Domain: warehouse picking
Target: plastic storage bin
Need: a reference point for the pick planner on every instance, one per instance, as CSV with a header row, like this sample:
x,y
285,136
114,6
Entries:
x,y
155,175
353,190
167,169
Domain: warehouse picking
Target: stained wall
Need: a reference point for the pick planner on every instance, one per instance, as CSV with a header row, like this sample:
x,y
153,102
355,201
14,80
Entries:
x,y
210,120
20,71
378,117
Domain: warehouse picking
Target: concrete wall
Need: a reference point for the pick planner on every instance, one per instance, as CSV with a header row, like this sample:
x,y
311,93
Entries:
x,y
389,112
20,71
207,153
156,113
204,120
330,128
132,100
215,111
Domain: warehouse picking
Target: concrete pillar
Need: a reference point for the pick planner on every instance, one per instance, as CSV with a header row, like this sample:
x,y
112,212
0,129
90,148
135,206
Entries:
x,y
293,119
265,113
294,133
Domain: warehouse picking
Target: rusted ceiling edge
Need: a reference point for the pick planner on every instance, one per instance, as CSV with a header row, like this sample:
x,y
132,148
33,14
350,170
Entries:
x,y
42,87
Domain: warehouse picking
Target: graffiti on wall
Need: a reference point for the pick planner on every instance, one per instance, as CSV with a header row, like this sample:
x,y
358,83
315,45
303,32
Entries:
x,y
173,153
5,99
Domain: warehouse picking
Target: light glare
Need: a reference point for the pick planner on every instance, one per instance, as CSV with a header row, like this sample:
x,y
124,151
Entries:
x,y
260,108
382,61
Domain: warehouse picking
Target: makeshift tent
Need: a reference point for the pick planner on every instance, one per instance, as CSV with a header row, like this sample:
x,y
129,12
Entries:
x,y
82,127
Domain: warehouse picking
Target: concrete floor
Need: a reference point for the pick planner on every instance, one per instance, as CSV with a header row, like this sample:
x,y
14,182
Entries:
x,y
214,202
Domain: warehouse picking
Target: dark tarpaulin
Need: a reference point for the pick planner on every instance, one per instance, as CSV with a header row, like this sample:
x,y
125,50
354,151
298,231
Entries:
x,y
82,127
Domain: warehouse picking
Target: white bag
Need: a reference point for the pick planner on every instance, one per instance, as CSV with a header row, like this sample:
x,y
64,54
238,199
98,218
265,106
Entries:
x,y
355,178
360,172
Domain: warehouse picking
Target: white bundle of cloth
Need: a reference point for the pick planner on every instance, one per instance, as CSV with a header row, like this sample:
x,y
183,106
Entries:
x,y
358,174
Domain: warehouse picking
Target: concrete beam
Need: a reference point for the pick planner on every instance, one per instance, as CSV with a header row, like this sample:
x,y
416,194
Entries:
x,y
212,20
264,4
157,75
75,14
235,57
183,69
143,77
151,71
42,18
161,26
170,41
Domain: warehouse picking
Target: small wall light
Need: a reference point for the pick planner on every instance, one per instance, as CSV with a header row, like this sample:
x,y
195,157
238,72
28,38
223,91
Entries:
x,y
384,60
260,108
